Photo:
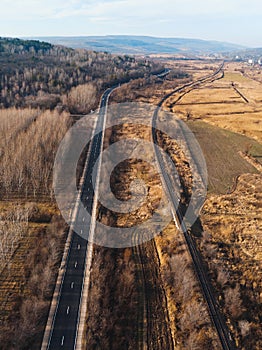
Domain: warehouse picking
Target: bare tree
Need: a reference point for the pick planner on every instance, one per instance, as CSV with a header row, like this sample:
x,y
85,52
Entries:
x,y
81,99
244,326
233,301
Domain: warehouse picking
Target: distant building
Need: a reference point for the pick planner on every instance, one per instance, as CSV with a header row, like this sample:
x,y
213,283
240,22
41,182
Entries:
x,y
238,58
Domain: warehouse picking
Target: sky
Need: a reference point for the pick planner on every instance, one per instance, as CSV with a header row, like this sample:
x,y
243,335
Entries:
x,y
236,21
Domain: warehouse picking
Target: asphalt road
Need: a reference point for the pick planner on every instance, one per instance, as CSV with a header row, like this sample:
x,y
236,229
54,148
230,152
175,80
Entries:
x,y
64,328
63,334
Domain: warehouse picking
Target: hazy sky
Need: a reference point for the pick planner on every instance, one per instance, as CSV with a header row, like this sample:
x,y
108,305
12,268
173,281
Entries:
x,y
238,21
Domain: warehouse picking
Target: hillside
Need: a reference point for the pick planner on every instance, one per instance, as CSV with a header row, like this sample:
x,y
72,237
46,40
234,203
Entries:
x,y
34,73
143,44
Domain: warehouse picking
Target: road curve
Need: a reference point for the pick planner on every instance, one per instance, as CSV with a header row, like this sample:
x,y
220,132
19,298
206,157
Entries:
x,y
217,318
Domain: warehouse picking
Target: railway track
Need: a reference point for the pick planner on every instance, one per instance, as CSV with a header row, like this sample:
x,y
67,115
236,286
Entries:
x,y
153,327
218,320
142,303
153,323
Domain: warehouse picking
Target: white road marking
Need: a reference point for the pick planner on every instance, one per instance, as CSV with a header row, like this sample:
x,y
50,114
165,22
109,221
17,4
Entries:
x,y
72,285
67,310
83,219
79,246
75,264
62,341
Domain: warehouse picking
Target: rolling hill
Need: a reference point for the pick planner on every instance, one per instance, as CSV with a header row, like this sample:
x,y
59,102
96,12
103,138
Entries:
x,y
125,44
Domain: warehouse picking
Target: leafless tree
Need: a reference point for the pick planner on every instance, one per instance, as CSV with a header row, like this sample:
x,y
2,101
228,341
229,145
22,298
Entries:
x,y
233,301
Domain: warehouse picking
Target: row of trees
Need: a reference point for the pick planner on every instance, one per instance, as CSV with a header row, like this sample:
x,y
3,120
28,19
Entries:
x,y
13,226
13,121
81,99
28,154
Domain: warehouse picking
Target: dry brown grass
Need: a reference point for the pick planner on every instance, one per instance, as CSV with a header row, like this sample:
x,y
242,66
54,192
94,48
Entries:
x,y
28,276
231,243
220,104
116,300
232,249
189,319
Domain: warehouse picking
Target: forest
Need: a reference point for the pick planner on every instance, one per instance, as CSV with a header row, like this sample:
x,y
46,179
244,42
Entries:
x,y
38,74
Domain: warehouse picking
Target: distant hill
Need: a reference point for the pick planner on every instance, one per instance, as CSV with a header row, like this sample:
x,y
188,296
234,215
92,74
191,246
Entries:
x,y
125,44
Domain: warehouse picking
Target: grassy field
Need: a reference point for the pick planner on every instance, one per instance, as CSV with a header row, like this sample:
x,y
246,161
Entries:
x,y
233,102
236,77
220,148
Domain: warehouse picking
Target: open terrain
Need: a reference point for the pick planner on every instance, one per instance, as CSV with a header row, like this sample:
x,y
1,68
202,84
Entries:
x,y
231,245
225,116
154,283
147,296
233,103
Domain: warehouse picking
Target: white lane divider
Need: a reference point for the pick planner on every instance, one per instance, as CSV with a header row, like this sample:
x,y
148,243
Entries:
x,y
62,340
72,285
67,310
75,264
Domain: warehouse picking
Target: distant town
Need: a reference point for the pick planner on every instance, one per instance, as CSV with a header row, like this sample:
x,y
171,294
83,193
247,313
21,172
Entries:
x,y
251,61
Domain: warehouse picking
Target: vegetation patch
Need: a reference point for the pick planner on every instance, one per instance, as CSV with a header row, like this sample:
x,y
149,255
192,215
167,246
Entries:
x,y
231,247
221,151
30,257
